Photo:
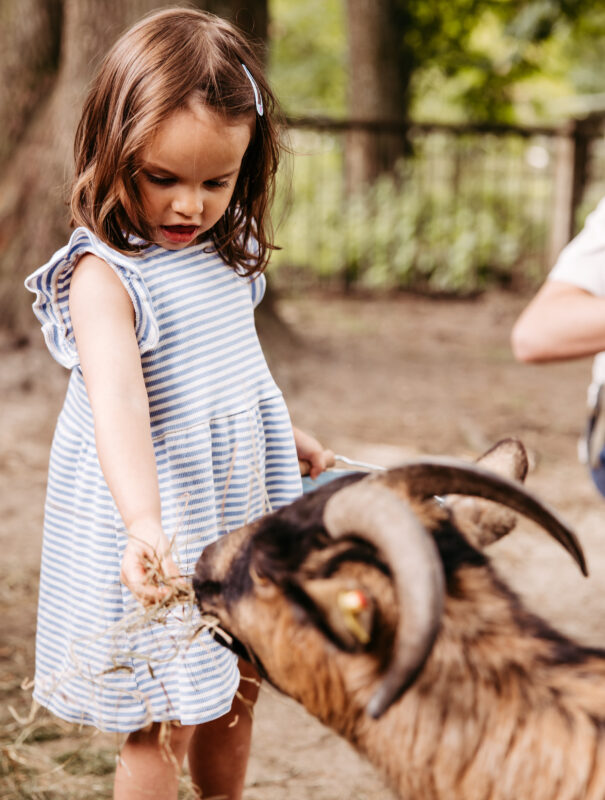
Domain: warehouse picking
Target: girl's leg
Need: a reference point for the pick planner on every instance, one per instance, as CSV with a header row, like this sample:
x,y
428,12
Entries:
x,y
150,763
219,750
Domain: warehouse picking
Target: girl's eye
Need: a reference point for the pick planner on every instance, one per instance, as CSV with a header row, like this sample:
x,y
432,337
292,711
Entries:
x,y
160,180
217,184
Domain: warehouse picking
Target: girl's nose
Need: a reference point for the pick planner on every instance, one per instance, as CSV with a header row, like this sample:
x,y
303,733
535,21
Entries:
x,y
188,202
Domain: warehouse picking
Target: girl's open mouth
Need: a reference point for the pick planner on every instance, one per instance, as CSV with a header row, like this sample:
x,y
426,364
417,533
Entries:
x,y
179,234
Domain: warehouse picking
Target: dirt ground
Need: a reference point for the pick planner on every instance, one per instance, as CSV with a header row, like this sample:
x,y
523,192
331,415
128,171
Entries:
x,y
375,379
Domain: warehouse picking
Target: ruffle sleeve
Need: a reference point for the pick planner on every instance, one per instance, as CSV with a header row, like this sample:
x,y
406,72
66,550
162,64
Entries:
x,y
50,283
258,286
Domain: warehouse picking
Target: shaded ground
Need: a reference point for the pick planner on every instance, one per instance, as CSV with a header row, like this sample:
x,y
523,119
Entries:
x,y
378,380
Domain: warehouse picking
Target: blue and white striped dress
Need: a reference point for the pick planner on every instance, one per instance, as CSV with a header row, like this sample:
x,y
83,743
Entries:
x,y
225,454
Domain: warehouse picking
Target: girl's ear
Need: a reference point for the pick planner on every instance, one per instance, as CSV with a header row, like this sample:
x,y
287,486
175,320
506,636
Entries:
x,y
131,215
124,197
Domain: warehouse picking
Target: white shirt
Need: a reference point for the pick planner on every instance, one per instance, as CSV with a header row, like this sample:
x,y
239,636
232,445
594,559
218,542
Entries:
x,y
582,263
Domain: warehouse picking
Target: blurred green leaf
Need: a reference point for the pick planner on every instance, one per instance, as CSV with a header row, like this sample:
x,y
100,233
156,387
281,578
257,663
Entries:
x,y
478,59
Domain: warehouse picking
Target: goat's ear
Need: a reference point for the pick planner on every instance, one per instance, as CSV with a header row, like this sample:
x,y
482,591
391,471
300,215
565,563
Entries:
x,y
345,608
483,522
507,458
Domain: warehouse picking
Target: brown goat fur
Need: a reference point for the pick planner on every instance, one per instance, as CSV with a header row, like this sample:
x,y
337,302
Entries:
x,y
504,708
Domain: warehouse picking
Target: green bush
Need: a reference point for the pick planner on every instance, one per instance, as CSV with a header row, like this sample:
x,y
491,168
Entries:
x,y
454,217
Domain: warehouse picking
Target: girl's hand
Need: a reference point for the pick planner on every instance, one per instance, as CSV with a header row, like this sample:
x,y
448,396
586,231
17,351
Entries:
x,y
312,454
148,568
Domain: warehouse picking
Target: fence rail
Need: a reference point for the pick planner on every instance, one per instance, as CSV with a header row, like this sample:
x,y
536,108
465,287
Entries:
x,y
461,206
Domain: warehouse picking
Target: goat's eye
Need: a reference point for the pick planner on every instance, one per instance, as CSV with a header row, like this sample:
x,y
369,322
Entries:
x,y
257,579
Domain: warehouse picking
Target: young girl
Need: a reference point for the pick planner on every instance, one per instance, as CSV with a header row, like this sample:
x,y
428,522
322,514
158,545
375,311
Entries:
x,y
172,427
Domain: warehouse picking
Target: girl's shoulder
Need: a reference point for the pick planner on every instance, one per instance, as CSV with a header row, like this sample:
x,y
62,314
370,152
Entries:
x,y
81,241
84,240
51,284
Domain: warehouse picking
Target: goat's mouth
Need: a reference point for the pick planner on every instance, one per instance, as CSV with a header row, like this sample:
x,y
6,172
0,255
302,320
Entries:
x,y
207,590
238,648
226,639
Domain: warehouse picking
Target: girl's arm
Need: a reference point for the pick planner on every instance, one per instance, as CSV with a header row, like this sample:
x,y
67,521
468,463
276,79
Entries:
x,y
311,453
103,322
562,321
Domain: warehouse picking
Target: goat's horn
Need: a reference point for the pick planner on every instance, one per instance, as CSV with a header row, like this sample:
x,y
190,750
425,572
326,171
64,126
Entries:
x,y
427,477
375,513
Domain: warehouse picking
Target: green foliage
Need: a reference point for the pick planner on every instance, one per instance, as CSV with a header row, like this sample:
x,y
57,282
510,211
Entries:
x,y
468,219
307,64
457,233
477,59
496,46
583,52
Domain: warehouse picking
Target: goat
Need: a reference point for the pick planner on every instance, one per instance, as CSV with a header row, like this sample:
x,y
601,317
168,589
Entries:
x,y
370,602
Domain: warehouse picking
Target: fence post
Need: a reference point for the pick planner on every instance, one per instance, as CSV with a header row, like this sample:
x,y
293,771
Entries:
x,y
572,157
562,223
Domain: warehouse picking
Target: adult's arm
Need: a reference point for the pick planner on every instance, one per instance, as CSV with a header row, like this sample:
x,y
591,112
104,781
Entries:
x,y
562,321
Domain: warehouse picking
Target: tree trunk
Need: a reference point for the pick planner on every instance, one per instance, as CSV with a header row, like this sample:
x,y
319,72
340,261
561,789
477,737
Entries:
x,y
48,52
29,44
252,16
378,91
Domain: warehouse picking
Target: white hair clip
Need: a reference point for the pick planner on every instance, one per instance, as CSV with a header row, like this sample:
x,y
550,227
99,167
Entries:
x,y
258,100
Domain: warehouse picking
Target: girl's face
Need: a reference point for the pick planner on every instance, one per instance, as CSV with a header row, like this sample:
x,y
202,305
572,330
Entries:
x,y
189,171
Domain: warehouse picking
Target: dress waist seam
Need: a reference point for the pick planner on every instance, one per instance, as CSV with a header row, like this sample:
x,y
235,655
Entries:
x,y
162,434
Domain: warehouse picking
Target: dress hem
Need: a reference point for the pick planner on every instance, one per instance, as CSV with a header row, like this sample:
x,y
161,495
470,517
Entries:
x,y
215,713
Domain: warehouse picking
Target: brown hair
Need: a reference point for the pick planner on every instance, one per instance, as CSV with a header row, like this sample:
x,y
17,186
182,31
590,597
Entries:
x,y
154,69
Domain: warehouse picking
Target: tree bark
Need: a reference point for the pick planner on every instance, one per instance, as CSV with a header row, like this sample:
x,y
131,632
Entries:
x,y
48,52
29,44
252,16
377,89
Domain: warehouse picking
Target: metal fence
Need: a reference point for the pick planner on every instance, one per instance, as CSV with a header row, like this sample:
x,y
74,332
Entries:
x,y
465,205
